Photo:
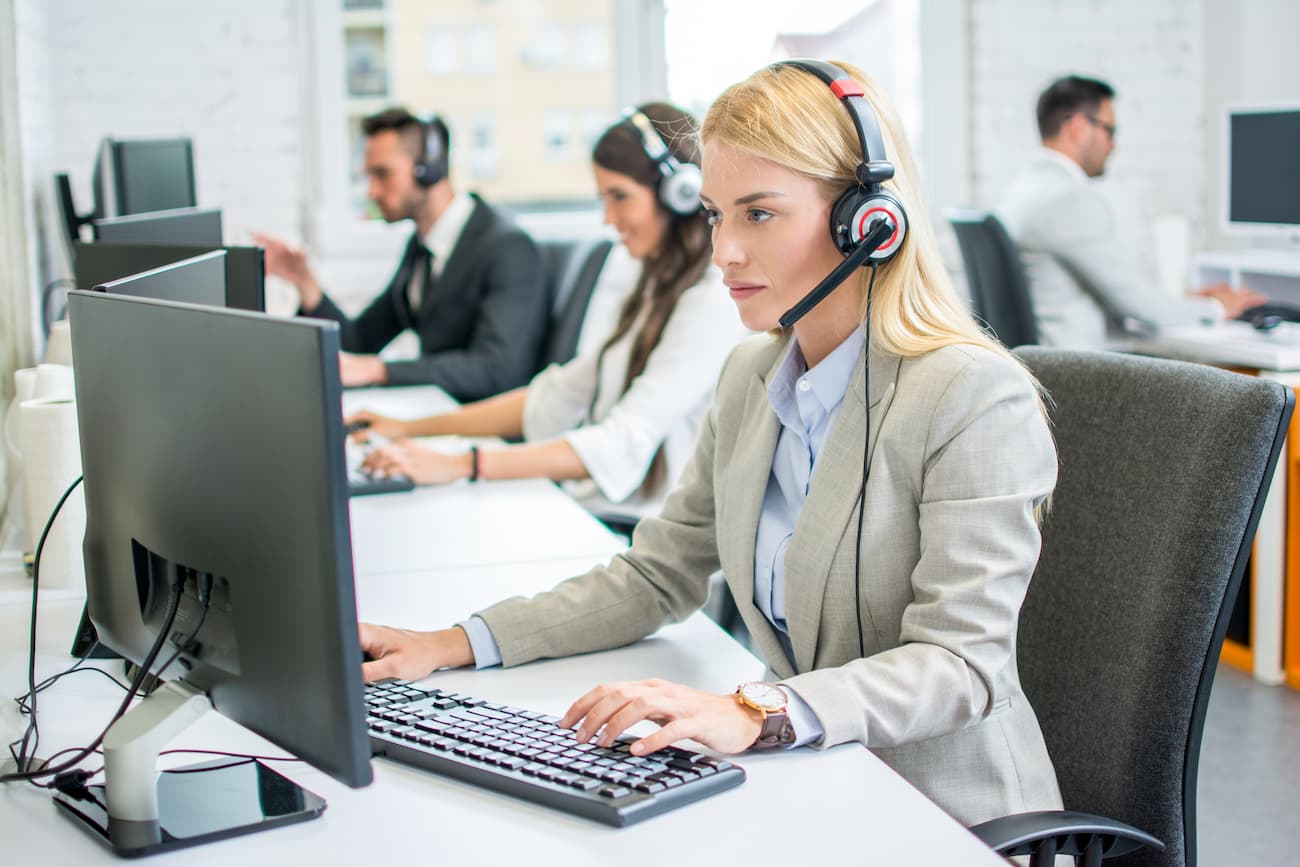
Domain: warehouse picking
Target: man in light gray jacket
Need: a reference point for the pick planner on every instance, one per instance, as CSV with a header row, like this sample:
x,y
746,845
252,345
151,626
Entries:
x,y
1085,276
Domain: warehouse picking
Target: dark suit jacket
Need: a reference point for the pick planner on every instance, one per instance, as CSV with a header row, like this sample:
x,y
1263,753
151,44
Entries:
x,y
481,323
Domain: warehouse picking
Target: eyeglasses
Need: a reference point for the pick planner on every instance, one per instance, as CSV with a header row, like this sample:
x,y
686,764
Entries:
x,y
1108,128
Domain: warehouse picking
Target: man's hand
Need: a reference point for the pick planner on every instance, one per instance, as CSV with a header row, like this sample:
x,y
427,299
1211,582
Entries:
x,y
358,370
1235,301
289,262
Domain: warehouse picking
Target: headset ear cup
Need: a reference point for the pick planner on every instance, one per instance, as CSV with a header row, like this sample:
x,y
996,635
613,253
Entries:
x,y
854,211
679,191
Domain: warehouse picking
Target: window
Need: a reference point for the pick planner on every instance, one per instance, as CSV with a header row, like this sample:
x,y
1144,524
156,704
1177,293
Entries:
x,y
440,51
593,46
557,130
484,155
549,47
481,48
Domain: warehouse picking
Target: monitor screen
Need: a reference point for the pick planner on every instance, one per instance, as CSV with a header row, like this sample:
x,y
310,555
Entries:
x,y
204,473
133,176
1264,168
99,263
179,226
199,280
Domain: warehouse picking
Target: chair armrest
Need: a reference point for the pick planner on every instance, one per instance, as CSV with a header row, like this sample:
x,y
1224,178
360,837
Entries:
x,y
1065,832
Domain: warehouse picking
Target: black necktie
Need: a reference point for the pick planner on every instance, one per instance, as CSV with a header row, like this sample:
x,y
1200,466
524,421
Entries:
x,y
421,278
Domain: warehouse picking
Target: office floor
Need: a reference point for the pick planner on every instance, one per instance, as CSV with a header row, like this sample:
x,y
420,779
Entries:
x,y
1250,774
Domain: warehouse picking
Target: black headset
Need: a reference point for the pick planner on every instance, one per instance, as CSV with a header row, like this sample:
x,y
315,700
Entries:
x,y
679,181
432,165
868,223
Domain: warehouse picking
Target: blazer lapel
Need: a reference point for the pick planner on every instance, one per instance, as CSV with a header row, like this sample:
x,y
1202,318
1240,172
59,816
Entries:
x,y
455,270
832,504
748,469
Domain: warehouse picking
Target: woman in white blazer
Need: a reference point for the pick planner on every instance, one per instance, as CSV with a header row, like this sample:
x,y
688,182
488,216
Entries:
x,y
619,422
883,588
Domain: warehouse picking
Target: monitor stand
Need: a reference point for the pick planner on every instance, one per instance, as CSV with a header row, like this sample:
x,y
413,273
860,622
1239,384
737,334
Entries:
x,y
139,811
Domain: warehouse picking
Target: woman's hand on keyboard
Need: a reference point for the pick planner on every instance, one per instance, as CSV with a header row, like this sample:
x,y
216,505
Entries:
x,y
719,722
409,655
420,465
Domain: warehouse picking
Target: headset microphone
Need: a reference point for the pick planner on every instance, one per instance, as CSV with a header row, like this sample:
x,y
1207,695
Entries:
x,y
880,231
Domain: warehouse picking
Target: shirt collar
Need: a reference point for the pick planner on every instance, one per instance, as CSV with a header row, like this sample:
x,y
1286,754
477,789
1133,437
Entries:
x,y
445,232
828,381
1076,171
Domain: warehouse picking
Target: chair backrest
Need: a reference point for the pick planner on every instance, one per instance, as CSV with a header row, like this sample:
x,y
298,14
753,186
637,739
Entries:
x,y
1163,470
999,289
573,268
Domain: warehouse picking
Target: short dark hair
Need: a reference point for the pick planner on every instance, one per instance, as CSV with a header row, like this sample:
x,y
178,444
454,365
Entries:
x,y
413,131
1065,98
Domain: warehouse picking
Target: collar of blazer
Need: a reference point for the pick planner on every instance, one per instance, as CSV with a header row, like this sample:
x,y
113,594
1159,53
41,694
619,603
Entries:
x,y
463,256
827,514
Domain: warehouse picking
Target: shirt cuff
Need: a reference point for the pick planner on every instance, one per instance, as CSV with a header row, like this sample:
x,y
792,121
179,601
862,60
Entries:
x,y
804,723
486,651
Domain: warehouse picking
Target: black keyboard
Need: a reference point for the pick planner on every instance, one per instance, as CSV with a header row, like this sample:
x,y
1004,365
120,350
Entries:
x,y
526,754
361,484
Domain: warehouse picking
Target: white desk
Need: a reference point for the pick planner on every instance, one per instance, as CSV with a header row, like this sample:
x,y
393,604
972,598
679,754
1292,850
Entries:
x,y
1275,355
816,806
800,806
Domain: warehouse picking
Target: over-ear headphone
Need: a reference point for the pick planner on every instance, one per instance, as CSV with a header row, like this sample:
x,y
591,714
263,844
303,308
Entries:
x,y
432,166
679,182
854,211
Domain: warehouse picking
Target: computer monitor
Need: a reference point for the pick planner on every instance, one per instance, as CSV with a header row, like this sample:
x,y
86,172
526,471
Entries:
x,y
198,280
179,226
1263,176
102,262
205,473
133,176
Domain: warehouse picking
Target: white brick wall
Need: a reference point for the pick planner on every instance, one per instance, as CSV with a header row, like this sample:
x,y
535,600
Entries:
x,y
1150,51
227,74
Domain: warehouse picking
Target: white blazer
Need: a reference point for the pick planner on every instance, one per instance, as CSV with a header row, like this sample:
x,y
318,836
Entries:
x,y
663,406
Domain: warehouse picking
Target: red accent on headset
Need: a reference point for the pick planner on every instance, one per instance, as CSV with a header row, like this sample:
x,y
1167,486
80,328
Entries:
x,y
862,226
846,87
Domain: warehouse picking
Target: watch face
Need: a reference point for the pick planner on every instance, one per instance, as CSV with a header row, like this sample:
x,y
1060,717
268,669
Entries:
x,y
764,695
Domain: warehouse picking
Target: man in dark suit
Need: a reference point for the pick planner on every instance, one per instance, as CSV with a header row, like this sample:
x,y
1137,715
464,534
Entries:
x,y
470,282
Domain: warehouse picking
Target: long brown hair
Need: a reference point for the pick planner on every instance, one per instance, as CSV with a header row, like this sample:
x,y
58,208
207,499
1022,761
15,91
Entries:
x,y
682,256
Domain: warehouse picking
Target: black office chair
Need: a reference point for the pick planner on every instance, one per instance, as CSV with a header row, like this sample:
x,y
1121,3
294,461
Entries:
x,y
572,268
999,289
1164,467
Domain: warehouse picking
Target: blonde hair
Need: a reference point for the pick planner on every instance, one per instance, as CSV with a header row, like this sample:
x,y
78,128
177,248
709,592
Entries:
x,y
790,117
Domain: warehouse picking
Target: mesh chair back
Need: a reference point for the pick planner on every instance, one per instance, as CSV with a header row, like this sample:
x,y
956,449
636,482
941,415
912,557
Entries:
x,y
1163,470
999,289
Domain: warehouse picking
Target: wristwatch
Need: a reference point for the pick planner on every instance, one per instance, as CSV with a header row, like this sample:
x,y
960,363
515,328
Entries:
x,y
770,701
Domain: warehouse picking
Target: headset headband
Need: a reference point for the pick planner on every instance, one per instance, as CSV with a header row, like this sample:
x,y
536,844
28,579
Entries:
x,y
875,167
653,143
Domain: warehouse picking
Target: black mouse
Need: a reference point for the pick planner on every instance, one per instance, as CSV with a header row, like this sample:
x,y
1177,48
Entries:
x,y
1266,322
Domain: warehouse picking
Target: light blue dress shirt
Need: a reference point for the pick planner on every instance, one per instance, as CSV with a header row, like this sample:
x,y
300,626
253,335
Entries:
x,y
806,403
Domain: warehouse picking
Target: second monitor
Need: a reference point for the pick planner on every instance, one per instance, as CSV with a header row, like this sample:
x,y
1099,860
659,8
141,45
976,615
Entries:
x,y
97,264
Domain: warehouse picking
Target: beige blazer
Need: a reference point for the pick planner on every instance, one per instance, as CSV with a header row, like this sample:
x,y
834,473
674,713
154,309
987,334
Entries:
x,y
960,457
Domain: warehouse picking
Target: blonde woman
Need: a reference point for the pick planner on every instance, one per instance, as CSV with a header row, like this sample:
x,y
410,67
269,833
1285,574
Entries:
x,y
883,593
